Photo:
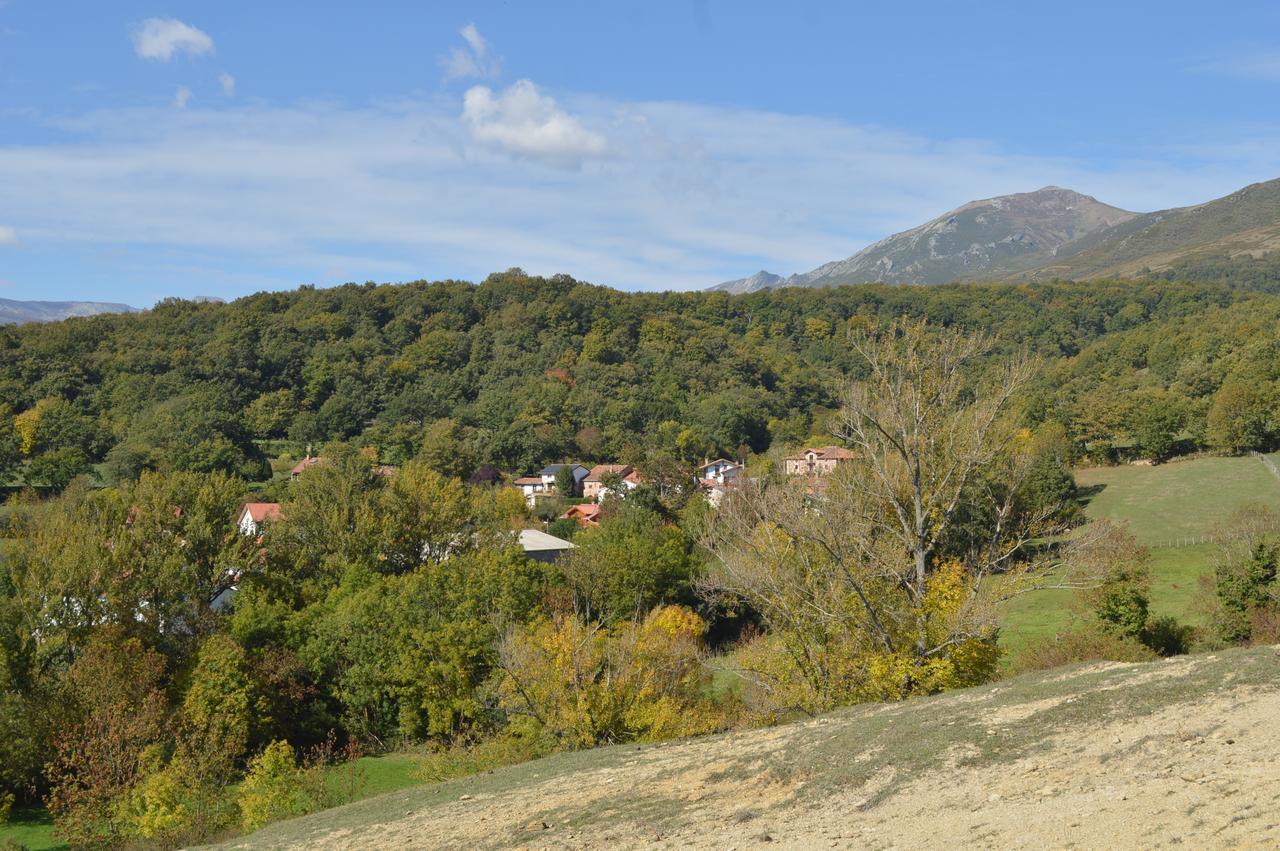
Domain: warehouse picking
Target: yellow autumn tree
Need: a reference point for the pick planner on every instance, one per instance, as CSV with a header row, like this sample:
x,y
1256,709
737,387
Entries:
x,y
587,684
27,426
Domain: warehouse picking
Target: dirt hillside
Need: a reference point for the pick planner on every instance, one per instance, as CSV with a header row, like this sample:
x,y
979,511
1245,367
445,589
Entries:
x,y
1182,752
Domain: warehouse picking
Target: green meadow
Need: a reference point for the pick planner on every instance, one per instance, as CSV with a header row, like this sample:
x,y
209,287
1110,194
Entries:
x,y
1172,508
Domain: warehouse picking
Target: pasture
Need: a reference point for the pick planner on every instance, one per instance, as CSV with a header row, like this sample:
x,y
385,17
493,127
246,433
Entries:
x,y
1172,508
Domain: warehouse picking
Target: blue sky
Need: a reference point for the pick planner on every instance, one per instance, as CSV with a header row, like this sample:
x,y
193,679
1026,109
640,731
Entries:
x,y
180,148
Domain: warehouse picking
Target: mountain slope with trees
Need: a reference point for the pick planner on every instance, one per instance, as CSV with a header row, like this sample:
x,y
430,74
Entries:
x,y
167,675
521,371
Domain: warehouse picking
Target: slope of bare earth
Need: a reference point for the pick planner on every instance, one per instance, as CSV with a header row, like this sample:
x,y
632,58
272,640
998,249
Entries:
x,y
1180,752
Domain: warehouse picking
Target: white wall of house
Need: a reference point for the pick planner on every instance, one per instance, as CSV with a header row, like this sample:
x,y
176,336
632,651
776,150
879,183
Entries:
x,y
721,472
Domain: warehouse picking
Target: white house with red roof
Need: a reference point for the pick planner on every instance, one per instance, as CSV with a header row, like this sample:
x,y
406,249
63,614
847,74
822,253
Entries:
x,y
254,514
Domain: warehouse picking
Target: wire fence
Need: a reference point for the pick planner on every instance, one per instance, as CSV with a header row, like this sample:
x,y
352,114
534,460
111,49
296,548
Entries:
x,y
1187,541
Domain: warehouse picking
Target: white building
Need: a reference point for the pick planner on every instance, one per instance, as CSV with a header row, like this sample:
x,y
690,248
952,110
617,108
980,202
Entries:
x,y
721,471
254,514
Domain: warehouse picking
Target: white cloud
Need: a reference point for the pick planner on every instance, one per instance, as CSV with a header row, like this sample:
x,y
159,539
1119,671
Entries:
x,y
8,237
523,121
687,196
474,60
182,97
162,38
228,84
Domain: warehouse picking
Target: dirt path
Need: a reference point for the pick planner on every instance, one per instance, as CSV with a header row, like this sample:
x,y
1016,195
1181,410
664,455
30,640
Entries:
x,y
1185,752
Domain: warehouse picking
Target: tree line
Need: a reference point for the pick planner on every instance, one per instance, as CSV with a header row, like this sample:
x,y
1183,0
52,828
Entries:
x,y
520,371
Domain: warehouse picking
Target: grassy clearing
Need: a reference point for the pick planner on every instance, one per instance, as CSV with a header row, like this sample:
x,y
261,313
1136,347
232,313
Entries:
x,y
1165,507
31,829
1181,500
379,774
1175,580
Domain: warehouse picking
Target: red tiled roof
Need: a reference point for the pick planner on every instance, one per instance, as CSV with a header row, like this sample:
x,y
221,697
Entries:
x,y
599,471
260,511
588,513
837,453
528,480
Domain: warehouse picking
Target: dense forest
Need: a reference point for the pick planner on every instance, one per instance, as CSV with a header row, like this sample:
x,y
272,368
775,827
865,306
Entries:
x,y
382,612
519,371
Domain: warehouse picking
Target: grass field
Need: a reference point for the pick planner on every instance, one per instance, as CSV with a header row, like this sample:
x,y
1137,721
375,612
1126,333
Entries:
x,y
1170,503
1172,508
33,829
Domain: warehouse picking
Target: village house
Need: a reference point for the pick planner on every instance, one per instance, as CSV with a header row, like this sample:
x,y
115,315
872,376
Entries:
x,y
544,482
254,514
817,461
593,486
550,472
721,471
532,487
587,514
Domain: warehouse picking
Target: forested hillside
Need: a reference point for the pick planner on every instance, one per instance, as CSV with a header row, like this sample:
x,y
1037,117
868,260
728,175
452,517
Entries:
x,y
170,672
518,371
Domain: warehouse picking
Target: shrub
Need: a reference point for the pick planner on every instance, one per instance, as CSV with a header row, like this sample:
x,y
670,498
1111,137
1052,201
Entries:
x,y
1089,644
523,740
774,687
159,806
896,676
274,787
1167,637
587,684
564,527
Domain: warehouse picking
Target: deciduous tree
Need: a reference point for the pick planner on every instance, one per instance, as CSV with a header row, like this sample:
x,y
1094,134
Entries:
x,y
874,585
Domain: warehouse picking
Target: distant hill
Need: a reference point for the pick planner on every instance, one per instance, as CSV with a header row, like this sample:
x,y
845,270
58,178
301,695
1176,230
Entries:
x,y
19,312
1023,229
1244,224
761,280
1058,233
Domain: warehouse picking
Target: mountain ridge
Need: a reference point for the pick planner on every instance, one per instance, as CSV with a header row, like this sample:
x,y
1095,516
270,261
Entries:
x,y
18,312
1052,233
